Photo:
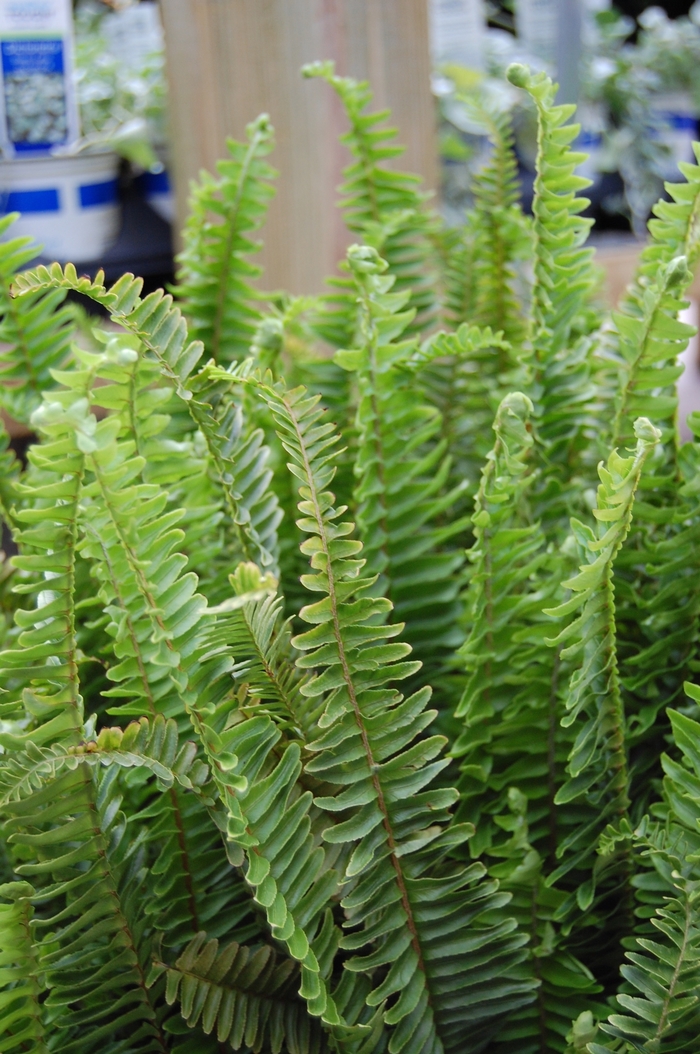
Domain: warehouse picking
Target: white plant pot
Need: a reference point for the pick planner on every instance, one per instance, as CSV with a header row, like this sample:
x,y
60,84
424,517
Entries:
x,y
68,205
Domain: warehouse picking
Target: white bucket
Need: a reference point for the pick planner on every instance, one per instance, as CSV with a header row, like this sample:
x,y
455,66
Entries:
x,y
68,205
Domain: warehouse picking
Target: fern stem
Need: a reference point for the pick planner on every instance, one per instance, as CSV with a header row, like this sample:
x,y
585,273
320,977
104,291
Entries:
x,y
552,735
627,391
613,706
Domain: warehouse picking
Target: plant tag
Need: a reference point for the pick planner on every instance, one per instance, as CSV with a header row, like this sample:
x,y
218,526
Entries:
x,y
457,32
38,108
134,34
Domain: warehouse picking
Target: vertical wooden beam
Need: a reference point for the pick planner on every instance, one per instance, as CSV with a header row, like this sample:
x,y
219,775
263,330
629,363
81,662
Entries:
x,y
229,60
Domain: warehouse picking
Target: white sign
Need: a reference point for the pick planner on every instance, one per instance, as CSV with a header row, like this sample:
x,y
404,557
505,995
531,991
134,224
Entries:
x,y
38,109
134,33
457,32
537,22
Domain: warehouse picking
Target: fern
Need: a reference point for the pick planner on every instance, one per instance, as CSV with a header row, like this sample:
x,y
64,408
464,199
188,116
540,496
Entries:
x,y
597,766
161,328
246,997
384,207
23,1020
239,832
501,236
71,822
401,472
563,273
658,624
35,330
456,372
663,966
504,556
214,274
375,726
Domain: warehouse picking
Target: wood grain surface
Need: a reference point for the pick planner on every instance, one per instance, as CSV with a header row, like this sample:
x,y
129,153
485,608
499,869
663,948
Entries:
x,y
229,60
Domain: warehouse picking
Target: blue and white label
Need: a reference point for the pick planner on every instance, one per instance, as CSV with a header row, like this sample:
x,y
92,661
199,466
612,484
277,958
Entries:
x,y
34,88
37,102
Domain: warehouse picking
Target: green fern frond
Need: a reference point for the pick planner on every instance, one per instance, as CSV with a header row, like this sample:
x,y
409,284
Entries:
x,y
564,984
214,272
384,207
241,459
153,746
598,767
500,231
650,346
261,643
664,973
160,327
35,331
563,271
456,251
674,228
290,874
658,624
465,342
459,373
45,656
504,556
72,823
659,1000
389,817
401,471
245,997
22,1024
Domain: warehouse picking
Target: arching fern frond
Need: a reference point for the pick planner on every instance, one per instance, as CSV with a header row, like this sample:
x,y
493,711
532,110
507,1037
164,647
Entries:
x,y
459,373
389,814
241,459
261,643
289,873
153,746
159,325
214,273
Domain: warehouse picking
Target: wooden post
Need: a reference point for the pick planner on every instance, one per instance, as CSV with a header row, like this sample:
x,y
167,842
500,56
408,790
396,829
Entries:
x,y
229,60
